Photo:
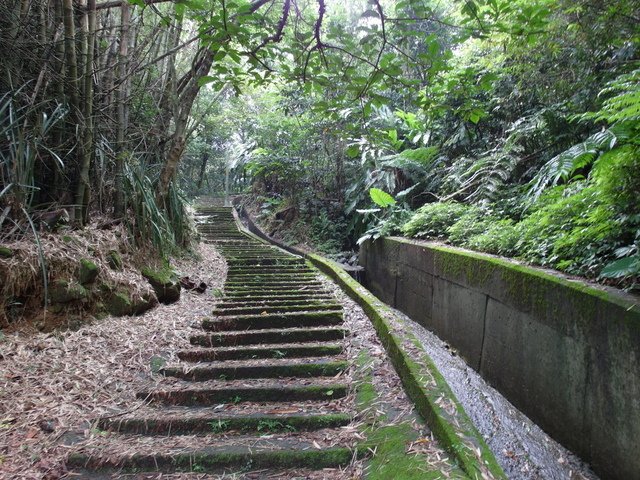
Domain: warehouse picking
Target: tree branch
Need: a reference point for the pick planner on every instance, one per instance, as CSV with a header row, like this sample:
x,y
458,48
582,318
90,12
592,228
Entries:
x,y
277,36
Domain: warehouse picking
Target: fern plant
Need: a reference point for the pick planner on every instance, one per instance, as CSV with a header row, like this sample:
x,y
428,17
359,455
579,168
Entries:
x,y
620,111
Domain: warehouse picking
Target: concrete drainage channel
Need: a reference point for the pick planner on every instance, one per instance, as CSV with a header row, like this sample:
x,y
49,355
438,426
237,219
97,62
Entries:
x,y
274,350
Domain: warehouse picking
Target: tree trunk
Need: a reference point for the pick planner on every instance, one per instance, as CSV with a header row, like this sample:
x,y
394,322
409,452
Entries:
x,y
201,67
121,101
203,168
73,82
83,190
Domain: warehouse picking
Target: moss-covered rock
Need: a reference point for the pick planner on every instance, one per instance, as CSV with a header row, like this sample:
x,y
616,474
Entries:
x,y
64,291
142,302
114,260
164,282
120,302
6,252
87,271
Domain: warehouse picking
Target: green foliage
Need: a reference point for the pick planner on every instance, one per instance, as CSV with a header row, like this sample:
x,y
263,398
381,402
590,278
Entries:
x,y
269,425
381,198
433,219
219,426
25,132
164,228
500,238
573,230
478,104
326,234
473,222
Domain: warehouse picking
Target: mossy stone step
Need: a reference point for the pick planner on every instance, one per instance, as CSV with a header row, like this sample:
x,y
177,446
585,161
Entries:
x,y
273,283
211,424
257,337
274,393
265,261
212,372
216,460
224,311
274,302
266,270
270,275
272,290
258,296
273,320
249,353
269,279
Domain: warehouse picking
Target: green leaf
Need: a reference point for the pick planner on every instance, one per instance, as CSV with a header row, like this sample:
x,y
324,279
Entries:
x,y
622,268
381,198
474,117
206,79
353,151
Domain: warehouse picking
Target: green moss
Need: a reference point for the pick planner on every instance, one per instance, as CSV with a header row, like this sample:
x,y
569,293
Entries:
x,y
88,271
164,282
365,392
118,304
164,275
215,461
63,291
391,460
114,260
6,252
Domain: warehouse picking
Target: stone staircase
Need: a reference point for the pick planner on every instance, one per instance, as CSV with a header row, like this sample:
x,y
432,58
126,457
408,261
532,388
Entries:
x,y
264,386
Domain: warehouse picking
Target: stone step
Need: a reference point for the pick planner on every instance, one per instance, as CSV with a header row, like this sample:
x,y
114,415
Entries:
x,y
272,321
225,310
203,421
295,297
274,302
285,261
237,277
268,453
273,290
275,392
272,369
270,336
285,350
269,269
268,284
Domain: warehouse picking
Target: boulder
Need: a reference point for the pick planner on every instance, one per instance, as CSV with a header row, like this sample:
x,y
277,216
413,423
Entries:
x,y
165,283
64,291
120,302
87,271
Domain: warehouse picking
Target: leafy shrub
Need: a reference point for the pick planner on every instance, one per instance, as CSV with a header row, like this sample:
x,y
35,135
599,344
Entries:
x,y
326,233
433,219
573,230
472,223
423,155
500,238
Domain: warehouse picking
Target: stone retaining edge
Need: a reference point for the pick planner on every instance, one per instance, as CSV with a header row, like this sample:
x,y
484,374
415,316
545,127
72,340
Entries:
x,y
454,429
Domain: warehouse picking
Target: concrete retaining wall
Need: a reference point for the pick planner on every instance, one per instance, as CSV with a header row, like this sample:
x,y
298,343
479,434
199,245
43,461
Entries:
x,y
566,354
